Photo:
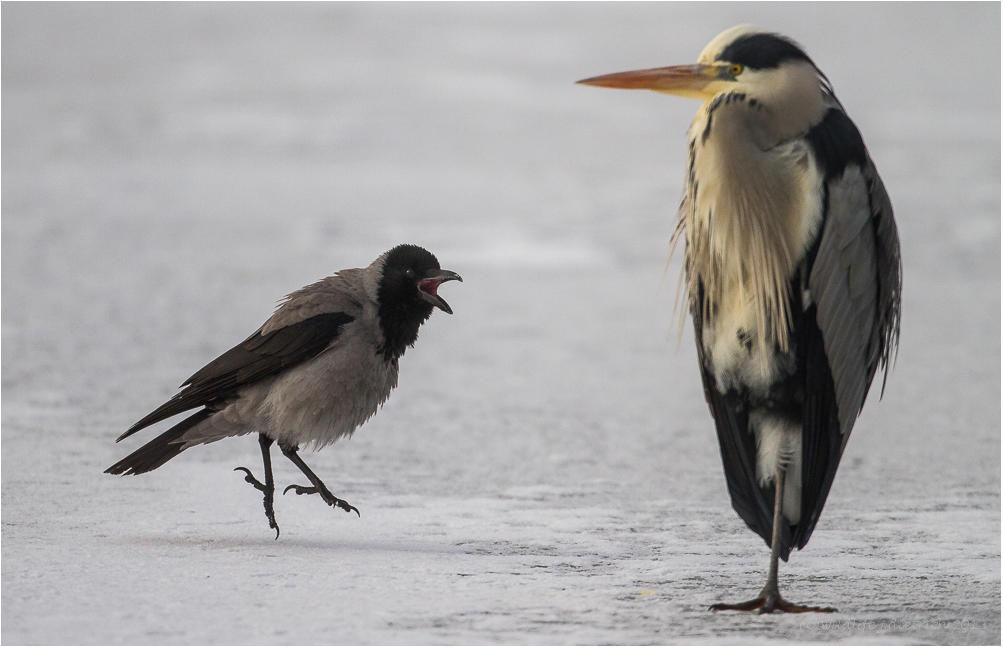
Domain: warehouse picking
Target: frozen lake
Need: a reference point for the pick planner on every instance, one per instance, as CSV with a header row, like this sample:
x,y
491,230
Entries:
x,y
547,471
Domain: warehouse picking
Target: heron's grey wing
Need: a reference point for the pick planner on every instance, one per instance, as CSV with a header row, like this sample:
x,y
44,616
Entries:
x,y
821,442
884,341
854,283
260,355
738,446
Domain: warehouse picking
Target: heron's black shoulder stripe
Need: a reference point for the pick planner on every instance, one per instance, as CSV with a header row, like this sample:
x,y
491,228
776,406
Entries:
x,y
724,98
762,51
691,171
837,143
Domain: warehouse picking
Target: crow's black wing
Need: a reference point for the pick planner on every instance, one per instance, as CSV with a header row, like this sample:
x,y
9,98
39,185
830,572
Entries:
x,y
258,356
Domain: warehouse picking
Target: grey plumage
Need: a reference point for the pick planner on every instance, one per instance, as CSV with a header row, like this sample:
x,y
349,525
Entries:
x,y
857,287
318,368
792,275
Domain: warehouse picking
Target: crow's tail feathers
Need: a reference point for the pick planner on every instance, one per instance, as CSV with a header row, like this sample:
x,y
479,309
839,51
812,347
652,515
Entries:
x,y
159,450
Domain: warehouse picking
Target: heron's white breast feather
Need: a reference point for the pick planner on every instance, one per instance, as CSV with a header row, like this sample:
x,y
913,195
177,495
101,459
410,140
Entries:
x,y
748,216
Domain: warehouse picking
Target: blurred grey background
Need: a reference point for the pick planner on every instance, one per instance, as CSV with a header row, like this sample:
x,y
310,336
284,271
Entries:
x,y
547,472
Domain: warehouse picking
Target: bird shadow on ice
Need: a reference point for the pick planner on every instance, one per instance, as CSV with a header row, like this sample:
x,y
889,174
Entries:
x,y
289,544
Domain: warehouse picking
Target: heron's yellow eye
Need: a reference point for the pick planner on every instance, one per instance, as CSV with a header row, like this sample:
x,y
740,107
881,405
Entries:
x,y
735,69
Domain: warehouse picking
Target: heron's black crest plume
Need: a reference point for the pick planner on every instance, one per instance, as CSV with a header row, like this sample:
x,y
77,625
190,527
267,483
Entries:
x,y
762,51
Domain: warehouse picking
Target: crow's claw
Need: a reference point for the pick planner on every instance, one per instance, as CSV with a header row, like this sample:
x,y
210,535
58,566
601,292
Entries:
x,y
344,505
272,523
258,485
269,493
329,498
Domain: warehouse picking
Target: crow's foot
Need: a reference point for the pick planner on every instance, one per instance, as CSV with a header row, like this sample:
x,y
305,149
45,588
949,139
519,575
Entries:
x,y
325,494
269,497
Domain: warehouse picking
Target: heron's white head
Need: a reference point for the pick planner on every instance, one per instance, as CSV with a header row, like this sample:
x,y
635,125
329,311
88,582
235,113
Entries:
x,y
762,65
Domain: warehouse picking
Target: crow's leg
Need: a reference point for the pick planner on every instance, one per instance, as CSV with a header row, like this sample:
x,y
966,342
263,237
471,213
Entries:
x,y
268,487
769,599
318,485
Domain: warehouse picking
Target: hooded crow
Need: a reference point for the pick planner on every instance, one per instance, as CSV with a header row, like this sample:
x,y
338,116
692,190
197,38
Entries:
x,y
320,366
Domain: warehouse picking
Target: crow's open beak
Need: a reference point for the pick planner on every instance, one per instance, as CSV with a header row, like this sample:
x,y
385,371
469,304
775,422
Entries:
x,y
429,286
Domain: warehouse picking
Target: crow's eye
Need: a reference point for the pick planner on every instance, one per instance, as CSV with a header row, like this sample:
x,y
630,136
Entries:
x,y
409,273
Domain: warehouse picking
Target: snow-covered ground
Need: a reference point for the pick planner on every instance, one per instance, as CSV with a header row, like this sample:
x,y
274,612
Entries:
x,y
547,471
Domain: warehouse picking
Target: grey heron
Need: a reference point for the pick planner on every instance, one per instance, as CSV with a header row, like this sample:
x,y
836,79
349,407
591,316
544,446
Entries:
x,y
792,276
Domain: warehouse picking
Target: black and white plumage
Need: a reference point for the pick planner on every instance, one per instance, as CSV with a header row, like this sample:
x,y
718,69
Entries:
x,y
793,275
320,366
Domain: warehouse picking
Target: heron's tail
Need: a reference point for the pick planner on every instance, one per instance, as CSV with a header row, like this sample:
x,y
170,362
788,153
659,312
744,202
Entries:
x,y
159,450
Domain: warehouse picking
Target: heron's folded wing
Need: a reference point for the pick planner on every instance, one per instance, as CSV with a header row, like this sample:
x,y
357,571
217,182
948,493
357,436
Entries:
x,y
885,338
821,440
854,283
844,288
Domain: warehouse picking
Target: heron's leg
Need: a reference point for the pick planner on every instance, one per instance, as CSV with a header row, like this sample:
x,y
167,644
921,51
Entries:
x,y
318,485
268,487
771,592
769,599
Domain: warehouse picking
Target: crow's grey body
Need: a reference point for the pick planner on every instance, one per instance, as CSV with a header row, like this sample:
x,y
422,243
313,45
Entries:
x,y
324,397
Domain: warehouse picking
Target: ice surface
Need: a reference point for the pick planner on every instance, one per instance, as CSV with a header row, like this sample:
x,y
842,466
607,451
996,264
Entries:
x,y
547,471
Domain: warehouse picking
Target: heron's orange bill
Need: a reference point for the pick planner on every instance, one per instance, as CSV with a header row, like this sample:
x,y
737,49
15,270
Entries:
x,y
676,79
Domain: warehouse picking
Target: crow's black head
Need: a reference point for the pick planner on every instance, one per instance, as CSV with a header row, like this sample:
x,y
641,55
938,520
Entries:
x,y
408,291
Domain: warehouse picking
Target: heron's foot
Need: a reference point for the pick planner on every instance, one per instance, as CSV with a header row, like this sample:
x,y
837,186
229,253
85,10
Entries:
x,y
325,494
768,603
269,498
